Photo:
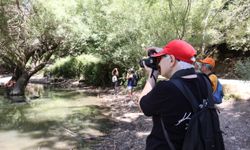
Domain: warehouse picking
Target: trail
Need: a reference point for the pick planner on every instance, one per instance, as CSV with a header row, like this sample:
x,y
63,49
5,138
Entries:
x,y
133,127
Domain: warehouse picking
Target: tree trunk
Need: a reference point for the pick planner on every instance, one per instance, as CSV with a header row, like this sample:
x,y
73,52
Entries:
x,y
20,85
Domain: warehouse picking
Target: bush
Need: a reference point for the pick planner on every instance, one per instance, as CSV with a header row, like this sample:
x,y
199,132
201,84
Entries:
x,y
96,74
91,68
70,68
242,68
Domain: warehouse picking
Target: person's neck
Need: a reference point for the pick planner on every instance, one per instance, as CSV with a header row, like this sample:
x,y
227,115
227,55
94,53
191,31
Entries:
x,y
184,73
208,72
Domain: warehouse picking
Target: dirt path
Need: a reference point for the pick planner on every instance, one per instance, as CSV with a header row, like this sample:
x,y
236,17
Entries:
x,y
133,127
235,123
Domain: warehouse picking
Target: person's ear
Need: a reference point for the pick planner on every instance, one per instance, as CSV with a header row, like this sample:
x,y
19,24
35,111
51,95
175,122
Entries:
x,y
172,58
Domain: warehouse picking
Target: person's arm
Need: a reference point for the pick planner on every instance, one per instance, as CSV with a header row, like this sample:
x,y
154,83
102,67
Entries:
x,y
213,80
117,72
127,76
150,84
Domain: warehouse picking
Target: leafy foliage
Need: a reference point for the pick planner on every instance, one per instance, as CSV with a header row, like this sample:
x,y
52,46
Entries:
x,y
72,67
232,25
91,68
242,68
115,31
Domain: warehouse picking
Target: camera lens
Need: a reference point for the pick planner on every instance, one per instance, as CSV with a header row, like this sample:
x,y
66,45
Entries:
x,y
150,62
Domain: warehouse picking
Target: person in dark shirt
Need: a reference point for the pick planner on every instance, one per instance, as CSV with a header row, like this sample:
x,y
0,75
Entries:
x,y
129,77
163,100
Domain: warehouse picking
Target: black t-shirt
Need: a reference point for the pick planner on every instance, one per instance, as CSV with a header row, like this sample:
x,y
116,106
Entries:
x,y
167,101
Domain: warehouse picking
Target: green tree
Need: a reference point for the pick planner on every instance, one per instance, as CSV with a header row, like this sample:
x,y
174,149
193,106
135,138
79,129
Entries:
x,y
32,33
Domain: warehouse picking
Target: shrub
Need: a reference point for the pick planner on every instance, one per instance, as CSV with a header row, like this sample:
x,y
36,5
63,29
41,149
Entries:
x,y
68,68
96,74
71,67
242,68
93,70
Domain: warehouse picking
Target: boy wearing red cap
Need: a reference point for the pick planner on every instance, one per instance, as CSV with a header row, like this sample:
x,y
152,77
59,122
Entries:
x,y
168,106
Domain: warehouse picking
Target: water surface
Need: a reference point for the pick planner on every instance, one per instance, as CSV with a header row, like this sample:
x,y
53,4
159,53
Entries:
x,y
52,119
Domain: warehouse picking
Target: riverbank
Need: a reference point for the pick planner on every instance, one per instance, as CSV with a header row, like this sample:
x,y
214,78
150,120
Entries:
x,y
58,118
132,126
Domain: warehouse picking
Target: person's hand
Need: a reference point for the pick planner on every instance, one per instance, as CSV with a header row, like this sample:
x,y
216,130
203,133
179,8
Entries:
x,y
149,71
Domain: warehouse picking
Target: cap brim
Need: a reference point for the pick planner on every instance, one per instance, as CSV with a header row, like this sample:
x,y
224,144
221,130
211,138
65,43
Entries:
x,y
158,54
202,61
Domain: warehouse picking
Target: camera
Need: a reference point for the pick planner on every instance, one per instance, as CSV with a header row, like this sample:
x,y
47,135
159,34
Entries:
x,y
150,62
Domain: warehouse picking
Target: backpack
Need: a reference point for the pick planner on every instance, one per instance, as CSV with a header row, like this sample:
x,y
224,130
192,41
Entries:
x,y
204,131
135,80
218,93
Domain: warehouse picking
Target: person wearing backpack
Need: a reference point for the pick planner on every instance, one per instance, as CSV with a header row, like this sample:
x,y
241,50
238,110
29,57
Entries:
x,y
207,67
135,79
130,84
178,105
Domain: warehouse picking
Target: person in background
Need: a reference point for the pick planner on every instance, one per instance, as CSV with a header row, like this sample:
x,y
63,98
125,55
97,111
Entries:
x,y
115,76
129,77
197,66
207,67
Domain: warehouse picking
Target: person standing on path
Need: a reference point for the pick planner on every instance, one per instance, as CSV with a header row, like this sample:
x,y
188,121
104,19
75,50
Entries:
x,y
115,76
207,67
130,77
169,107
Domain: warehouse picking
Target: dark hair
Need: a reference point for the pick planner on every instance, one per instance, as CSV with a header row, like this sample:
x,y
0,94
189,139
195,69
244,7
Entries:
x,y
208,66
115,71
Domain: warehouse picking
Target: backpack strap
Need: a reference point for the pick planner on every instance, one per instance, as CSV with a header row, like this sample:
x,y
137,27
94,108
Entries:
x,y
170,144
187,93
191,98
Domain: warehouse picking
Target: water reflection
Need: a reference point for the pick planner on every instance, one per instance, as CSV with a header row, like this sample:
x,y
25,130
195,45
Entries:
x,y
55,119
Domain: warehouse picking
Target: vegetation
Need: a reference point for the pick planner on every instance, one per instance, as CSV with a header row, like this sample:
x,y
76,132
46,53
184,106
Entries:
x,y
88,67
37,32
242,69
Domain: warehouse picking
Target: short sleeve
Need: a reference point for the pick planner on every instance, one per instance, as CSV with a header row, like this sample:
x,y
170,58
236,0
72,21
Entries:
x,y
214,81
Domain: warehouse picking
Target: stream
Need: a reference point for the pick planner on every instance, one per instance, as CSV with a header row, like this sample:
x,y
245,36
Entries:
x,y
52,118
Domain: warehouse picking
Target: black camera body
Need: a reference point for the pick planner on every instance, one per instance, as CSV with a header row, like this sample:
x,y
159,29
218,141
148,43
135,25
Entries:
x,y
150,62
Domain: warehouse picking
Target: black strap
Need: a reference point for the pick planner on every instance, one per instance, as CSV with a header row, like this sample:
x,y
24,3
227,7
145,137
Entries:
x,y
191,98
187,93
170,144
152,74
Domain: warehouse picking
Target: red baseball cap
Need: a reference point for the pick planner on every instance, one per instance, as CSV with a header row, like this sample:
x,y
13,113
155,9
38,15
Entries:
x,y
180,49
